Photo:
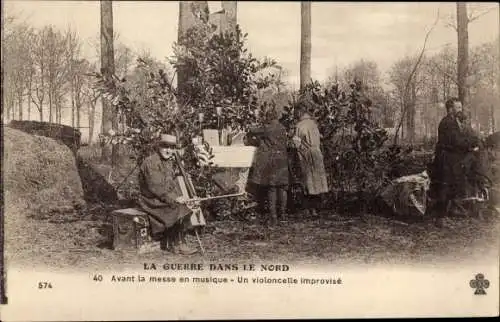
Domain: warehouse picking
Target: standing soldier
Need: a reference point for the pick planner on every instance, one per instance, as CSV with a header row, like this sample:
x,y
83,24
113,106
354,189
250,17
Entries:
x,y
307,141
455,141
270,167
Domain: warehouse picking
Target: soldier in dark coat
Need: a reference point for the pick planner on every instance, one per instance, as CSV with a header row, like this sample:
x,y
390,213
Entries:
x,y
161,197
270,166
455,141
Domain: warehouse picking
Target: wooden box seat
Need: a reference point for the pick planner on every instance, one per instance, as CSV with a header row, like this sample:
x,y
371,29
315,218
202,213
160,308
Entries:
x,y
131,230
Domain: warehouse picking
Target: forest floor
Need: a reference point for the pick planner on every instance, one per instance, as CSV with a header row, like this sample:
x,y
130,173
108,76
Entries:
x,y
83,239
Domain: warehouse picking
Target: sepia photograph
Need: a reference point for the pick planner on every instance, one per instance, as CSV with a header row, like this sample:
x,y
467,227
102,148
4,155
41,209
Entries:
x,y
245,153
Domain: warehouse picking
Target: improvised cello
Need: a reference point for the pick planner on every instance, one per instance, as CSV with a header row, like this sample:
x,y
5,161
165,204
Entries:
x,y
196,219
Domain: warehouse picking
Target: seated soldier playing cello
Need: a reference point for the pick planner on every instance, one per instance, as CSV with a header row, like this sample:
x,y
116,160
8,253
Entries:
x,y
161,196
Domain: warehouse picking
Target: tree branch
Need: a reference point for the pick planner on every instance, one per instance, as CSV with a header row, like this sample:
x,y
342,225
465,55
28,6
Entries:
x,y
408,81
472,18
451,23
453,78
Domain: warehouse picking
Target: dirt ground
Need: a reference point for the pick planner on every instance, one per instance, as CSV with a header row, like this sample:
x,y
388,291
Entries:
x,y
82,240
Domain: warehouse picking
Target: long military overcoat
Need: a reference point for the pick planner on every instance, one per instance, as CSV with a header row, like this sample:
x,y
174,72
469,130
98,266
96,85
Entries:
x,y
159,190
454,143
311,161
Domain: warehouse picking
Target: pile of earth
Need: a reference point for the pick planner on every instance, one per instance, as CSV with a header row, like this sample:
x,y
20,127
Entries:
x,y
39,173
68,135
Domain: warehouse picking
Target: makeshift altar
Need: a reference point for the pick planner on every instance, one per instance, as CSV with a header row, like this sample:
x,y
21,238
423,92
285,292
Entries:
x,y
232,159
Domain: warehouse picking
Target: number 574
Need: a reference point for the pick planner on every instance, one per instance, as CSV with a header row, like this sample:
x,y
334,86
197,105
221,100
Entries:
x,y
42,285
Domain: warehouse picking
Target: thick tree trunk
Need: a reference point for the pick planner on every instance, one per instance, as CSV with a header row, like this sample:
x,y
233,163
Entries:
x,y
181,30
40,113
230,9
498,73
463,54
305,43
109,151
187,20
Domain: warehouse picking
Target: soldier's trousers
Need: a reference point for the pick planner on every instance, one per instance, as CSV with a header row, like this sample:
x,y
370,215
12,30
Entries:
x,y
277,200
446,194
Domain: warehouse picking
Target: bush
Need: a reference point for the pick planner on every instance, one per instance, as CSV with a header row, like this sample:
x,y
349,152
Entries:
x,y
223,87
357,160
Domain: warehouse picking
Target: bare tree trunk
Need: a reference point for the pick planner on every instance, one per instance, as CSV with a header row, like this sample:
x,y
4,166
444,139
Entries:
x,y
56,106
72,104
492,119
8,107
186,21
463,54
109,152
91,121
410,116
59,112
78,104
181,30
230,8
50,106
498,75
29,102
20,101
305,43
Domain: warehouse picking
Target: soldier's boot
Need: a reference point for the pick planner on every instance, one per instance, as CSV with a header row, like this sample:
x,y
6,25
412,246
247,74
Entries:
x,y
283,206
273,216
272,199
167,242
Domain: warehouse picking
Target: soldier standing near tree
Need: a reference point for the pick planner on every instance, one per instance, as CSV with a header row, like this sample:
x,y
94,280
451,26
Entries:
x,y
448,176
307,140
